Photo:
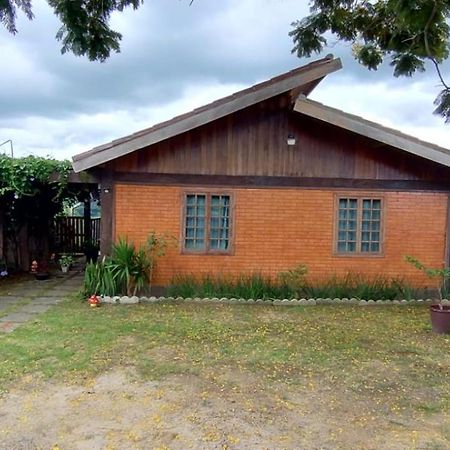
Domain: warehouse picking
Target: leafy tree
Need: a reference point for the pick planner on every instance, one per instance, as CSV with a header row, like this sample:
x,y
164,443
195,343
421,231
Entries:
x,y
408,32
85,26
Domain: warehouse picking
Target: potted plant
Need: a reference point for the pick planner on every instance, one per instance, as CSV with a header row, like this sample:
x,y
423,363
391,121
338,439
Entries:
x,y
65,261
90,249
439,313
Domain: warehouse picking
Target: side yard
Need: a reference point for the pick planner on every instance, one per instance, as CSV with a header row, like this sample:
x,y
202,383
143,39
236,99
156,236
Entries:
x,y
178,376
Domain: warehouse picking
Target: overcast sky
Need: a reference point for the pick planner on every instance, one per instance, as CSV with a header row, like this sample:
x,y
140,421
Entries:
x,y
176,57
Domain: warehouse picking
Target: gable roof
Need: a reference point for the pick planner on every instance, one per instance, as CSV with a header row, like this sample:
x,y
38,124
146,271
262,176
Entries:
x,y
372,130
303,80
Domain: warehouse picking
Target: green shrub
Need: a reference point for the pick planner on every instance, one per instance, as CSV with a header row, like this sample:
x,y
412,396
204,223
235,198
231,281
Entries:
x,y
99,279
294,279
354,285
244,286
440,275
290,284
127,270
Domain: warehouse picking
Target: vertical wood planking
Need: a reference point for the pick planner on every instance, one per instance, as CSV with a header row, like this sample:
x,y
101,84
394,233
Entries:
x,y
253,142
107,203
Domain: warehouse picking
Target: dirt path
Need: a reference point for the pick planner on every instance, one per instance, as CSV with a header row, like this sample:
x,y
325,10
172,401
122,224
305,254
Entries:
x,y
218,411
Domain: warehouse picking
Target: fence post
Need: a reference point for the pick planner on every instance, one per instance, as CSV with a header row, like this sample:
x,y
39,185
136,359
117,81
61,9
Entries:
x,y
87,220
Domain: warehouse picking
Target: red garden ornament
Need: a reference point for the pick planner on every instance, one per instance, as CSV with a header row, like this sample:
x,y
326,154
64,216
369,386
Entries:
x,y
94,301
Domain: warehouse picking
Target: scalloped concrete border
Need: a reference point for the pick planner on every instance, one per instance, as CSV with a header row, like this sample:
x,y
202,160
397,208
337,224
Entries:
x,y
125,300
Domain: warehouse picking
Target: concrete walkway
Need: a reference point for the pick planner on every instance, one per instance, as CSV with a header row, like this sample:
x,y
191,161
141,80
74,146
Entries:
x,y
24,300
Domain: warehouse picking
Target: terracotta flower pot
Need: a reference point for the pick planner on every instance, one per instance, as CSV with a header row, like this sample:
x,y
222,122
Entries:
x,y
440,318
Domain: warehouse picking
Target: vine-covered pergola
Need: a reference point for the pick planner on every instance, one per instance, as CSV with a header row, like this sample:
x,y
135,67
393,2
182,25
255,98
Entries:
x,y
33,191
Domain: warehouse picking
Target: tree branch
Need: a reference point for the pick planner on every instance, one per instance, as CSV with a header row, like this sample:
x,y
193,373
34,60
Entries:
x,y
427,47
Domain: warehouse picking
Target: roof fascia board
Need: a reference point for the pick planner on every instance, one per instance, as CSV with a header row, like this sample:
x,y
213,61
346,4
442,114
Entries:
x,y
371,130
88,160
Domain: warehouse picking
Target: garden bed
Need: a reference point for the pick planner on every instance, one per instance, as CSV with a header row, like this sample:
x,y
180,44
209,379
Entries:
x,y
126,300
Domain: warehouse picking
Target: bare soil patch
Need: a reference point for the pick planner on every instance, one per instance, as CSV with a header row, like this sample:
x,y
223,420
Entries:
x,y
217,409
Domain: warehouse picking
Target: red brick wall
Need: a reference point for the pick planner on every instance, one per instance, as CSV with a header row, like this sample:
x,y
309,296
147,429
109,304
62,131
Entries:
x,y
277,229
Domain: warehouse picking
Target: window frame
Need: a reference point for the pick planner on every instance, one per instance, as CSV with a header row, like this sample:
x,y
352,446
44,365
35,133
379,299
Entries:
x,y
208,193
359,197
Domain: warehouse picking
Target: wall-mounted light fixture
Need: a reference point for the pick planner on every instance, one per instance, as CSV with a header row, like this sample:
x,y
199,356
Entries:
x,y
291,139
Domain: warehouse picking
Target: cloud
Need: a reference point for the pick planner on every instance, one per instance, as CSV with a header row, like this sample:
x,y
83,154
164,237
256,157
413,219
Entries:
x,y
175,57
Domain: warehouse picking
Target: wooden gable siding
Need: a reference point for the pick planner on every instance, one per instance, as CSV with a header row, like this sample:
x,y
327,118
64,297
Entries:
x,y
252,142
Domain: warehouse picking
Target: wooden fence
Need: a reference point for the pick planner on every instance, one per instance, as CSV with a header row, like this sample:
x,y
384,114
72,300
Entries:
x,y
70,235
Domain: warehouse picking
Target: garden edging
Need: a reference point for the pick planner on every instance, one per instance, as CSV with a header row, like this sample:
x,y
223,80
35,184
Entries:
x,y
125,300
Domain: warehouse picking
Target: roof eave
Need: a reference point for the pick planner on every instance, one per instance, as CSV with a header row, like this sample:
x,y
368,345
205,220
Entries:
x,y
372,130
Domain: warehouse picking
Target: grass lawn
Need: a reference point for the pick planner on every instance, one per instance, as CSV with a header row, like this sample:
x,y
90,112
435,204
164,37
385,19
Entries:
x,y
226,376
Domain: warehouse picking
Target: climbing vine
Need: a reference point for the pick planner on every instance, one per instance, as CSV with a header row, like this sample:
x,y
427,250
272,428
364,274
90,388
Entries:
x,y
23,176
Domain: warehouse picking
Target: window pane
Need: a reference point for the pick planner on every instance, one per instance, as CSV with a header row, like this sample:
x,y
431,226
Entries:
x,y
375,226
370,227
365,247
199,244
223,244
195,222
342,214
376,204
190,200
219,222
351,236
358,225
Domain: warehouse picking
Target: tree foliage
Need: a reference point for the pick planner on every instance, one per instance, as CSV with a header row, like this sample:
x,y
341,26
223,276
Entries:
x,y
85,28
407,32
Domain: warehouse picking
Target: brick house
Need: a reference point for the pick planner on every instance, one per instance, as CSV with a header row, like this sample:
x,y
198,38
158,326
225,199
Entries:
x,y
266,179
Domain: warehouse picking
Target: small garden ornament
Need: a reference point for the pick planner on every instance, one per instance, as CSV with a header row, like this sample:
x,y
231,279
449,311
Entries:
x,y
94,301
